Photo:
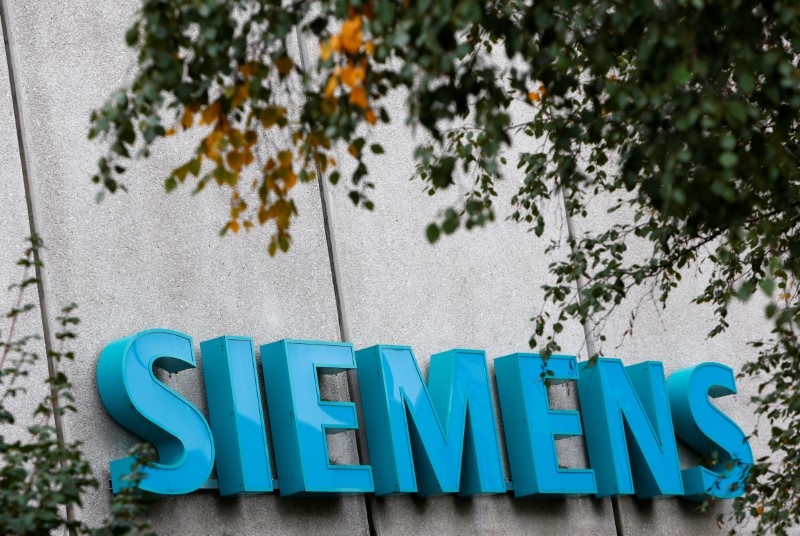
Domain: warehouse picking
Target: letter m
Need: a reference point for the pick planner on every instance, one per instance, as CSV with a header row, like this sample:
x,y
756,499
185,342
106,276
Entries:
x,y
436,439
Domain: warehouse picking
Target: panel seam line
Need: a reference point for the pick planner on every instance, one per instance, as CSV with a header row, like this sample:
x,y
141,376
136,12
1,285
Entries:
x,y
338,293
588,338
41,284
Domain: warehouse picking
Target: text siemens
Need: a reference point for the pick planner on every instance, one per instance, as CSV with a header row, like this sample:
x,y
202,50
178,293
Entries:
x,y
425,439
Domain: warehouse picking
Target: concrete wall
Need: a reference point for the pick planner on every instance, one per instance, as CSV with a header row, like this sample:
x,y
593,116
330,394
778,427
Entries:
x,y
15,230
678,337
471,290
142,260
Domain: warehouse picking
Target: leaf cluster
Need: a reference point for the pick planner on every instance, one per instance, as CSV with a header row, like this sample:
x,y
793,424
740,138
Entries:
x,y
42,477
680,115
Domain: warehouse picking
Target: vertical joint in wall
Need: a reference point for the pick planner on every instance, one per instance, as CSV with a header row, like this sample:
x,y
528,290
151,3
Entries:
x,y
589,340
336,278
19,123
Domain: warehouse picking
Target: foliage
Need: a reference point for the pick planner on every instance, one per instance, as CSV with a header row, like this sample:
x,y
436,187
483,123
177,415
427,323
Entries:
x,y
41,477
682,114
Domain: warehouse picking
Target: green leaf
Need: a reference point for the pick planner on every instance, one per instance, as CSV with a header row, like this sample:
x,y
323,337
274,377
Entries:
x,y
432,233
132,35
728,159
681,74
767,285
170,184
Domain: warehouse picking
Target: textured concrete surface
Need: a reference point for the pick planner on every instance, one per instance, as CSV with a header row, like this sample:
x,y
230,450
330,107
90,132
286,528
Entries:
x,y
15,230
141,260
678,337
471,290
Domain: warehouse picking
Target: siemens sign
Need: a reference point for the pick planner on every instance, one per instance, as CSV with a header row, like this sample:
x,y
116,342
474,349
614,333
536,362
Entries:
x,y
424,439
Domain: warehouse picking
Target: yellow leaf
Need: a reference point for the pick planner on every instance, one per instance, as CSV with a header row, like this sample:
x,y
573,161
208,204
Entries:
x,y
211,144
290,180
352,75
211,114
241,93
236,138
360,74
353,150
358,97
272,211
336,43
170,132
188,119
233,226
351,34
331,86
285,158
534,96
270,115
542,91
760,510
370,117
325,50
348,76
284,65
235,160
248,69
369,48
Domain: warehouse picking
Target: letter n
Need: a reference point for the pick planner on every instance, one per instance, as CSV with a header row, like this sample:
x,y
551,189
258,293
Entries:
x,y
628,428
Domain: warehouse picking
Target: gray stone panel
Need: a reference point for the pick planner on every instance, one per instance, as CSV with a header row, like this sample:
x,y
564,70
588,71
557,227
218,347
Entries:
x,y
142,260
15,230
678,337
471,290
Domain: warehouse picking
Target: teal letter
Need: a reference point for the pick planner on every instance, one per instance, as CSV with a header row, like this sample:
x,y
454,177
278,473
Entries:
x,y
709,431
531,427
626,408
237,419
451,420
151,410
300,420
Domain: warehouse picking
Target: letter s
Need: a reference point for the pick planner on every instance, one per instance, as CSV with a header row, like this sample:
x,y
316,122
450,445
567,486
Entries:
x,y
138,401
709,431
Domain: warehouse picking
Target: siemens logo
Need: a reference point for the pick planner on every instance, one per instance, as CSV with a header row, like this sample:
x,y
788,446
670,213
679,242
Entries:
x,y
425,439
